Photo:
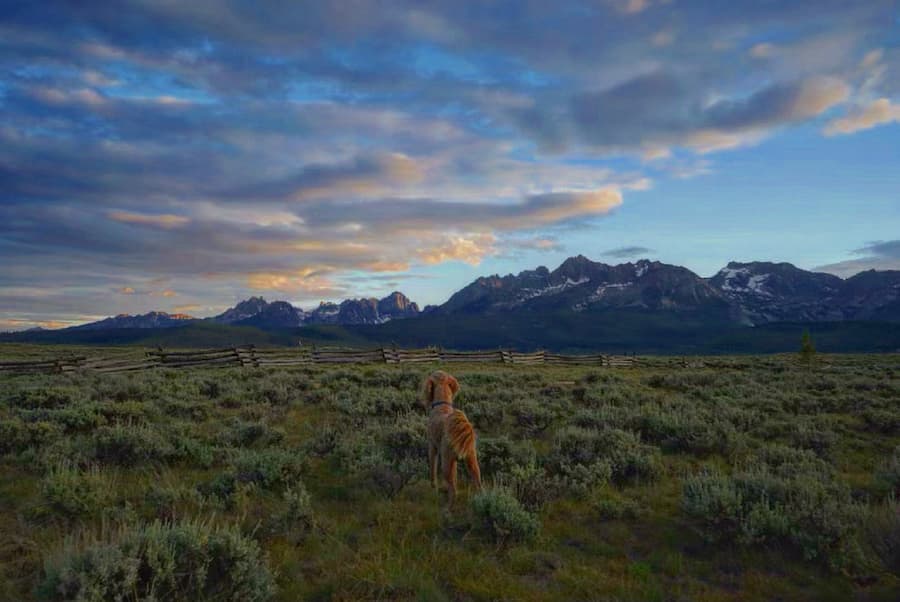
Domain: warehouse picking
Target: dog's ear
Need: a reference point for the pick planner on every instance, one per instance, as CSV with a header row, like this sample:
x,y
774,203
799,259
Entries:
x,y
453,384
428,390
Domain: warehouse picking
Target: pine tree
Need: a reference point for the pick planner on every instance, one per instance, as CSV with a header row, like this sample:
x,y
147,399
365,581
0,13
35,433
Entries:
x,y
807,347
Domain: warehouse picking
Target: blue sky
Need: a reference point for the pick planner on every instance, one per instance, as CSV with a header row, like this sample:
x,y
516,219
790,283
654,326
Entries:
x,y
181,156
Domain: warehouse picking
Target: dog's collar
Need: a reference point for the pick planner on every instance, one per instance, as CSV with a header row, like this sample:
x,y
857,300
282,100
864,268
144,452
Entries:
x,y
440,403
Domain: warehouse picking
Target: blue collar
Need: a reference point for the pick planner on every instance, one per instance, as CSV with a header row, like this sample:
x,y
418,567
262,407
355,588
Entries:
x,y
440,403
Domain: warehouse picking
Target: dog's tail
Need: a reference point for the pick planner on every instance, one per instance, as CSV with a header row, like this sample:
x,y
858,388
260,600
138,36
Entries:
x,y
461,435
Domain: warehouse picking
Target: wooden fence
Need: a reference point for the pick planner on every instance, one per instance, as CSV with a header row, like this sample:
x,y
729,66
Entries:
x,y
250,356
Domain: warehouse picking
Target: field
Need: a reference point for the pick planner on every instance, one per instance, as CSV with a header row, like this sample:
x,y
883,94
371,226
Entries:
x,y
763,478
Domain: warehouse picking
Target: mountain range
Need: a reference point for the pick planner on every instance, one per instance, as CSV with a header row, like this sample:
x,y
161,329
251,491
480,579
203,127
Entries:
x,y
749,294
581,303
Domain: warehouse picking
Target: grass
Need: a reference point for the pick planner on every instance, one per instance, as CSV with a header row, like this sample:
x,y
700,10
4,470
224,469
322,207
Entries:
x,y
648,483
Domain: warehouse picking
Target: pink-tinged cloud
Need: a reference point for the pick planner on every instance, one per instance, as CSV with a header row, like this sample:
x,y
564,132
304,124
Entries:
x,y
160,220
878,112
468,249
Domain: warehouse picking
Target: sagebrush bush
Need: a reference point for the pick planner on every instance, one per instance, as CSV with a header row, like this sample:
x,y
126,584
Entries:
x,y
530,485
268,468
242,433
499,513
585,455
887,475
758,506
161,561
131,444
617,508
501,455
17,435
73,492
297,512
881,534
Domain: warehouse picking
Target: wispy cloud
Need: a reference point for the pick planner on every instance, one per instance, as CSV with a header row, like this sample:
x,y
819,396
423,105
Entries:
x,y
627,252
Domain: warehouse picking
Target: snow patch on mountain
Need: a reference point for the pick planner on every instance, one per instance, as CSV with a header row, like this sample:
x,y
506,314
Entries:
x,y
741,281
553,289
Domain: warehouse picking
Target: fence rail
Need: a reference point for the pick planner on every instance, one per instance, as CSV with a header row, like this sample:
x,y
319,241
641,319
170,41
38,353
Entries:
x,y
250,356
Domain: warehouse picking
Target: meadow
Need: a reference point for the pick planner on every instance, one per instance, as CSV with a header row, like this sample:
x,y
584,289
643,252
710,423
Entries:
x,y
761,478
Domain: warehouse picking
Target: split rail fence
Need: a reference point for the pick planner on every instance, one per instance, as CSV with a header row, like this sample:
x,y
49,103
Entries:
x,y
250,356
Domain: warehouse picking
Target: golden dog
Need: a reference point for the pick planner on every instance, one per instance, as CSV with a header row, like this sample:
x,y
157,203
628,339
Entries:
x,y
450,434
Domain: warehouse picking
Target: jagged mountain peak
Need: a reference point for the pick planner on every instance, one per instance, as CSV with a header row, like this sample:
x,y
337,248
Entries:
x,y
152,319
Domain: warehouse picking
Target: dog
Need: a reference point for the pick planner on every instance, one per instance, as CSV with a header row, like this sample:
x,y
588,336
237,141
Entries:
x,y
451,436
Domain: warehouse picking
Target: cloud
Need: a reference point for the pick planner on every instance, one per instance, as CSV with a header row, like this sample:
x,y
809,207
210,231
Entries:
x,y
470,250
187,309
851,267
659,110
627,252
878,255
164,220
763,50
361,176
305,281
878,112
881,248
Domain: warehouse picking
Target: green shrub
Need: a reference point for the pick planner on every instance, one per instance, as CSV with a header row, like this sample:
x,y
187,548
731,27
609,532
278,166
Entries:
x,y
881,534
70,418
533,417
47,397
499,513
617,508
584,456
130,444
887,475
386,457
164,500
17,436
500,455
74,493
161,561
240,433
759,506
269,468
297,512
882,420
530,485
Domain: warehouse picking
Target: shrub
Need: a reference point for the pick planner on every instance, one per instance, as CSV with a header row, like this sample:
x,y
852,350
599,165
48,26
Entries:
x,y
161,561
530,486
72,492
534,417
163,500
242,433
71,418
500,455
758,506
617,508
584,456
47,397
887,475
881,534
129,445
267,468
882,421
297,512
386,457
16,435
498,512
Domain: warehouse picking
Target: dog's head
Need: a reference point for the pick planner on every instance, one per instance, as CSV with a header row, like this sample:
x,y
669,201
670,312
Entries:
x,y
438,386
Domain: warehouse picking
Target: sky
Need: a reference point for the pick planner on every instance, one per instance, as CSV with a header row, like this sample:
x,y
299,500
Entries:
x,y
182,156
